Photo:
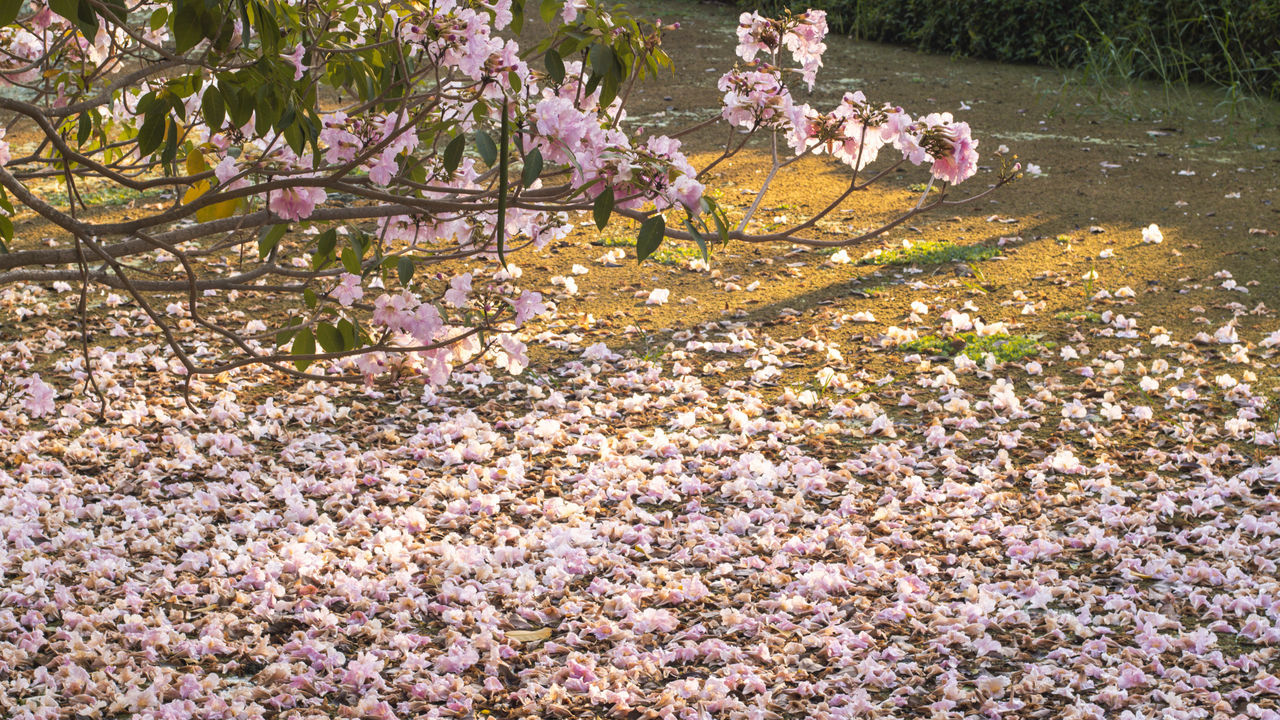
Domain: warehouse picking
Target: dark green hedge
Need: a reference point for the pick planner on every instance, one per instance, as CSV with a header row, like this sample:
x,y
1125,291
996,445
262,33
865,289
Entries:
x,y
1226,42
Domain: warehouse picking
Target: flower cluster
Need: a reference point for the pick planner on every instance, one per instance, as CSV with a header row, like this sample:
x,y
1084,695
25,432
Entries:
x,y
801,34
758,98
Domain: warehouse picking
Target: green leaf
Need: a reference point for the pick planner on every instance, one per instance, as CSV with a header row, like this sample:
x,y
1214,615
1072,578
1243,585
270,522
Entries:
x,y
601,58
9,10
327,241
170,142
603,208
405,268
187,28
549,9
329,336
349,334
269,238
84,127
239,105
296,140
593,82
309,297
351,261
304,343
213,108
504,165
360,243
721,220
79,12
116,10
487,149
453,153
517,16
608,89
697,238
151,134
532,167
652,231
555,66
144,104
159,18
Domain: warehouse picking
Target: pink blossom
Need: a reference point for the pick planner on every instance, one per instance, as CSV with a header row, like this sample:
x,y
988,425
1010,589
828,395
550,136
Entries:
x,y
688,192
227,168
38,396
341,144
459,657
348,289
384,169
295,203
805,43
756,98
528,305
514,356
1130,677
459,292
958,159
571,9
654,620
295,59
756,34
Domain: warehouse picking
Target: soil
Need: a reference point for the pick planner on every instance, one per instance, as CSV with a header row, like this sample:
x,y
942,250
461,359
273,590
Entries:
x,y
1114,159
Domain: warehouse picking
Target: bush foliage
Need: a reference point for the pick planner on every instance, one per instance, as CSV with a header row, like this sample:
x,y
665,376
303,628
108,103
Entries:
x,y
1232,43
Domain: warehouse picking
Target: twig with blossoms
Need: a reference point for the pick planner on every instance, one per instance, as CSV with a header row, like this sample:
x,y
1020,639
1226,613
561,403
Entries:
x,y
447,147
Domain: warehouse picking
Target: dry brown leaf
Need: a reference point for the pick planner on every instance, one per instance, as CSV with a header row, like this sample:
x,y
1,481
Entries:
x,y
525,636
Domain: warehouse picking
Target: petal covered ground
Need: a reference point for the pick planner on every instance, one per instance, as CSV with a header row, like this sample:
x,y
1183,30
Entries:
x,y
1092,533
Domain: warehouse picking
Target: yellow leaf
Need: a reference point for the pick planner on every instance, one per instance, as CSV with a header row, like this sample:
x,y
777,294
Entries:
x,y
219,211
216,211
196,162
525,636
196,189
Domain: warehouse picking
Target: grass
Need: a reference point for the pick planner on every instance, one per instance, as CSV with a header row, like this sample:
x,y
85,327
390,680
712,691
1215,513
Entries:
x,y
107,196
875,290
1078,316
1005,347
930,253
1110,67
670,253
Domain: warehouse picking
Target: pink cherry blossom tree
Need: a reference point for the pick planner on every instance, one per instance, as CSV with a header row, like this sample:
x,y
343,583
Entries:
x,y
327,154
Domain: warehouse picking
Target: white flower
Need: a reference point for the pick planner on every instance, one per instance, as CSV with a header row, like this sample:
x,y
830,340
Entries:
x,y
1065,461
349,290
840,257
1151,234
658,296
